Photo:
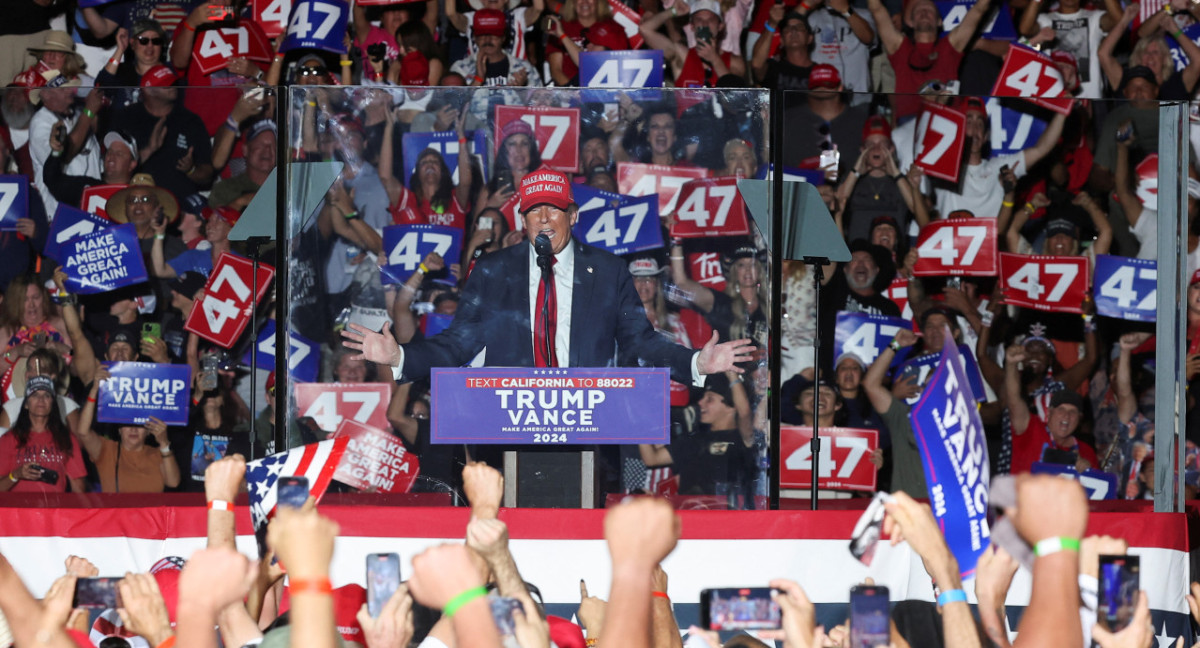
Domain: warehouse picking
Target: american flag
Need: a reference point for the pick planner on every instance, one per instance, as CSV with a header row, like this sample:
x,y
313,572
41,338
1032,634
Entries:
x,y
1146,11
316,461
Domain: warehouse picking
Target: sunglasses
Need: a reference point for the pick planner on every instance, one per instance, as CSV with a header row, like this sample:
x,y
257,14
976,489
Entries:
x,y
140,199
146,40
311,71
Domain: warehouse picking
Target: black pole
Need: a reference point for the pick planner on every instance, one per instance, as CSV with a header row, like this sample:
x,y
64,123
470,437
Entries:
x,y
282,328
774,364
818,266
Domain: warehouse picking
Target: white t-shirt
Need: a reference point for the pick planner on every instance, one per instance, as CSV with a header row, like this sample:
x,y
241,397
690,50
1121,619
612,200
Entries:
x,y
834,43
980,192
1080,34
1146,232
85,163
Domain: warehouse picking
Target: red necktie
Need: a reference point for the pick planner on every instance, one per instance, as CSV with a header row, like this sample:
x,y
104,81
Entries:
x,y
546,322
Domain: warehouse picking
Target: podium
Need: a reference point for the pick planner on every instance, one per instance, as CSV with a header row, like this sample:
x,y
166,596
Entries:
x,y
545,423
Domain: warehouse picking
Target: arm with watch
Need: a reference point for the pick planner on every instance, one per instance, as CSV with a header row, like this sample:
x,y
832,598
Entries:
x,y
347,222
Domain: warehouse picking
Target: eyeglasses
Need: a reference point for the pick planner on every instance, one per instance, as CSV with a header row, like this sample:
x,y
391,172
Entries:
x,y
311,71
146,40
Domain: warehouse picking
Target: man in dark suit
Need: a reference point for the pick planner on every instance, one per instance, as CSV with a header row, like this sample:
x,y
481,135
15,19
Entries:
x,y
589,308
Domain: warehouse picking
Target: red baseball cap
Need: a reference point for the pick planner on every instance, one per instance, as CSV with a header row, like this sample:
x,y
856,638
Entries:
x,y
974,104
565,634
875,125
159,76
489,22
515,127
414,69
824,76
609,35
545,187
270,381
1195,277
227,214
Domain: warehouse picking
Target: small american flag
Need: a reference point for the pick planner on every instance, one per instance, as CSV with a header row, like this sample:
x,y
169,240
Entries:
x,y
316,461
1147,10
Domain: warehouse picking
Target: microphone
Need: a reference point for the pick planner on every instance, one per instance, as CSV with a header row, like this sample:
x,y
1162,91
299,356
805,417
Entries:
x,y
541,245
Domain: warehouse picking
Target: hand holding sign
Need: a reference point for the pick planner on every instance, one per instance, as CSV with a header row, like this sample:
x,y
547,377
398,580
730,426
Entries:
x,y
941,135
957,246
317,24
1048,283
1032,76
14,201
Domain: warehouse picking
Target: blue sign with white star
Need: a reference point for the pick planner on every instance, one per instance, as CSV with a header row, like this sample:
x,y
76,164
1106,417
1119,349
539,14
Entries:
x,y
551,406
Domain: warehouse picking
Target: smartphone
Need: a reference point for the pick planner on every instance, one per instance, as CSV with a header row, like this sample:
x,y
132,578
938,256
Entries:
x,y
739,608
1119,583
504,178
291,491
869,616
484,223
704,34
502,613
152,330
383,577
220,13
869,529
97,593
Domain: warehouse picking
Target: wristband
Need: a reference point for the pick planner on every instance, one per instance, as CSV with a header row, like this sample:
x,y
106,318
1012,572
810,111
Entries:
x,y
114,61
987,317
169,642
477,79
13,478
91,399
310,586
951,596
1177,34
676,258
767,26
805,7
220,505
351,215
188,27
662,595
462,599
346,63
165,450
88,113
462,140
279,57
1029,206
408,288
423,269
159,237
591,641
1007,203
894,345
1054,545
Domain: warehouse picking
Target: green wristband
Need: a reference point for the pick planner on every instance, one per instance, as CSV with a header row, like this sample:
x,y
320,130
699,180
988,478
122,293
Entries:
x,y
478,592
1055,545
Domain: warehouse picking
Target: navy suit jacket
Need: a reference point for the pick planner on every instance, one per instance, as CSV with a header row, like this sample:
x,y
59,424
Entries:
x,y
493,312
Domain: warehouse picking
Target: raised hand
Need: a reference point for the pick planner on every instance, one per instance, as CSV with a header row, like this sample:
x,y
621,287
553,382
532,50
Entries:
x,y
394,627
143,610
375,346
484,488
715,358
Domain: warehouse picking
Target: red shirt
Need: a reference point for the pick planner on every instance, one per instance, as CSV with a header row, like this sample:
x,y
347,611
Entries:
x,y
408,210
41,450
1028,447
697,73
202,97
916,64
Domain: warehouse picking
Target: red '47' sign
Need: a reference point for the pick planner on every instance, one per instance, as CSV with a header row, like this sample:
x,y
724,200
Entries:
x,y
214,47
375,460
898,293
1032,76
225,310
1048,283
637,179
555,129
710,207
95,198
844,463
629,20
940,135
957,246
330,404
272,15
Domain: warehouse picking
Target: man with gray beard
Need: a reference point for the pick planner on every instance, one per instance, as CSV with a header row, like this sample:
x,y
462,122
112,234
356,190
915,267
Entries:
x,y
856,287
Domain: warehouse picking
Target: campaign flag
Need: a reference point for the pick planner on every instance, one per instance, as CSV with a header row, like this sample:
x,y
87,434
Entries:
x,y
495,405
14,201
316,461
1043,282
1146,11
897,292
138,390
408,245
317,24
556,131
923,365
710,207
104,261
630,20
1032,76
272,15
845,462
706,269
302,353
217,45
950,439
1125,287
941,133
866,335
1012,131
446,143
70,223
328,404
1178,57
619,224
1098,484
95,198
375,460
228,302
957,246
627,70
637,179
997,24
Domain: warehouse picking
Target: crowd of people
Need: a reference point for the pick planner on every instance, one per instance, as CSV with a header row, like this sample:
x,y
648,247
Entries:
x,y
174,131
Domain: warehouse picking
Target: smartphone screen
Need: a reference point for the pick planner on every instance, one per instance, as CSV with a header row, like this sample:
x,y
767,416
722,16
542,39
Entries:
x,y
383,577
96,593
869,616
152,330
1119,583
291,491
868,530
739,608
502,613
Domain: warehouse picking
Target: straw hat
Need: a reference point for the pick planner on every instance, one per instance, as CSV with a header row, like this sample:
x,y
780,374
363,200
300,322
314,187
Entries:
x,y
116,204
59,41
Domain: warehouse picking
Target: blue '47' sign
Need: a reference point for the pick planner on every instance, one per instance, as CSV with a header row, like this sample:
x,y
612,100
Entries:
x,y
302,356
317,24
14,201
407,245
1125,287
624,69
616,223
997,24
866,335
444,142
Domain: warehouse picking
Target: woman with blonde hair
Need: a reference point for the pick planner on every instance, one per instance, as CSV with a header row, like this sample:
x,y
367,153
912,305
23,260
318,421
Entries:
x,y
27,319
1152,52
